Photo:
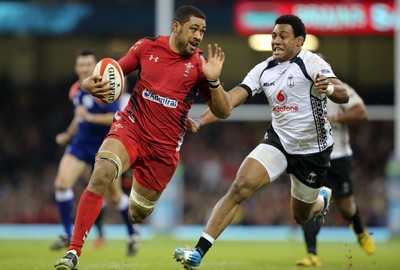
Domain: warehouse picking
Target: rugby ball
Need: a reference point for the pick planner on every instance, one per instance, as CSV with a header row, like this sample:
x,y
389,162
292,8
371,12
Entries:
x,y
111,71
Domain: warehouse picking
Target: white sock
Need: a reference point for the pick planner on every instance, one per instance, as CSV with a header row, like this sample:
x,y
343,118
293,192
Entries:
x,y
123,203
208,237
64,195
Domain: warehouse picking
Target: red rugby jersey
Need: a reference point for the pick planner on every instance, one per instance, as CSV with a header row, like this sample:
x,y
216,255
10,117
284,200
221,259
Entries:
x,y
167,87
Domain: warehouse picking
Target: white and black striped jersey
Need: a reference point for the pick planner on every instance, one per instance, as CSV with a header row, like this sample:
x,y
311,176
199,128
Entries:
x,y
340,131
298,111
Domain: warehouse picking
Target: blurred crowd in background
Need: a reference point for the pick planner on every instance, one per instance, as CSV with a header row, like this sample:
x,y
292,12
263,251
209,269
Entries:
x,y
29,158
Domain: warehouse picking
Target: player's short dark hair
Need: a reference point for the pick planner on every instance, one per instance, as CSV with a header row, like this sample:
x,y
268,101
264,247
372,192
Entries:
x,y
184,13
86,52
297,24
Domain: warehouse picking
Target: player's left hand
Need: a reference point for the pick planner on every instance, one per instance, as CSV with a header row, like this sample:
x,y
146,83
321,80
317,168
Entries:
x,y
212,68
321,83
81,112
193,125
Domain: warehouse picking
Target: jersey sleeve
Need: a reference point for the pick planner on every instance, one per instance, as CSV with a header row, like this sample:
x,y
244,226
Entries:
x,y
252,82
73,90
131,60
318,65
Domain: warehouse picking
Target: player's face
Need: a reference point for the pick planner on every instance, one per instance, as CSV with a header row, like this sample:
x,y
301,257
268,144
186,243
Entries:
x,y
84,66
190,35
284,44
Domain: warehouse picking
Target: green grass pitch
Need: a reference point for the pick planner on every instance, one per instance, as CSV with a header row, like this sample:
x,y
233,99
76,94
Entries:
x,y
157,254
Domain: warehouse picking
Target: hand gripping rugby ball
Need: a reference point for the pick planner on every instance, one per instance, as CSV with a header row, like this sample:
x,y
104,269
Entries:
x,y
111,71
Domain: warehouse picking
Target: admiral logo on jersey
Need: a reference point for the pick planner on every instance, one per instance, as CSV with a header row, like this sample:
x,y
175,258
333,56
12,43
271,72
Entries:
x,y
167,102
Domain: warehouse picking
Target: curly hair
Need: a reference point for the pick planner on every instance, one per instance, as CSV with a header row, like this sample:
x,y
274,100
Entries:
x,y
184,13
297,24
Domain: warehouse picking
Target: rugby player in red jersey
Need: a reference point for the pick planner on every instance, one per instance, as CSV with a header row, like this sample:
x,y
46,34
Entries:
x,y
83,138
148,133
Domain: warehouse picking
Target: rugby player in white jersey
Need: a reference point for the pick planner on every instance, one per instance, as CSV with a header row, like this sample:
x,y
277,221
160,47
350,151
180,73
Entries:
x,y
297,84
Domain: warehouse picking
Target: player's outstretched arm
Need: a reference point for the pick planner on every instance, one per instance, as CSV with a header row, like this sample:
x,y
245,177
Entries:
x,y
237,96
356,113
97,118
207,117
65,137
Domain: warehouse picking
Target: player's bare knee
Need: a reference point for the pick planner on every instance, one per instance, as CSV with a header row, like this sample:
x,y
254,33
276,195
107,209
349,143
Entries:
x,y
62,186
101,179
63,183
241,189
104,171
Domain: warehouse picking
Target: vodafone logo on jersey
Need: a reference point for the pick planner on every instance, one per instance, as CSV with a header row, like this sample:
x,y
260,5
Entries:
x,y
281,99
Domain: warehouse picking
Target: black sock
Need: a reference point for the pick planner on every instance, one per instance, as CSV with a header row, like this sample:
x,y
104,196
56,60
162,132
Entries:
x,y
203,246
356,221
311,229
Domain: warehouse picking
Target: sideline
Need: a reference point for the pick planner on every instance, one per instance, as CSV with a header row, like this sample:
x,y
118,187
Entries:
x,y
232,233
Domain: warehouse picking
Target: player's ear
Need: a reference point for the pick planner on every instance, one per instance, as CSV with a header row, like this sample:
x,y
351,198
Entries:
x,y
175,27
299,41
